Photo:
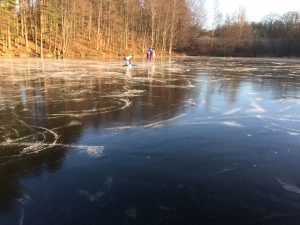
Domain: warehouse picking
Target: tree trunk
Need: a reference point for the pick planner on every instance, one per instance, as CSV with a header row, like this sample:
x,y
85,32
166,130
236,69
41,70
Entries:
x,y
42,23
98,26
152,22
172,27
8,38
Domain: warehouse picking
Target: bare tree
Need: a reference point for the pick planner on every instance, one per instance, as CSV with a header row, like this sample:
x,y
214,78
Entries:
x,y
85,27
290,22
216,20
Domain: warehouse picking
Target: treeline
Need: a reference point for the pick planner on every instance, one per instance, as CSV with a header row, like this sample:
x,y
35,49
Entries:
x,y
276,36
95,27
80,28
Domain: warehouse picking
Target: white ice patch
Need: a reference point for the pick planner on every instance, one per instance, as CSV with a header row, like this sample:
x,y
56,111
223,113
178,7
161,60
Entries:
x,y
108,182
131,212
179,86
233,111
256,108
74,123
77,99
293,133
190,85
94,151
289,185
91,197
160,123
190,102
224,171
278,63
34,148
127,103
251,93
174,70
121,128
129,93
232,124
285,109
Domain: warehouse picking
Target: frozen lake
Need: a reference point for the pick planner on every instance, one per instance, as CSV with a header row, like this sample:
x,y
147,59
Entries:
x,y
187,141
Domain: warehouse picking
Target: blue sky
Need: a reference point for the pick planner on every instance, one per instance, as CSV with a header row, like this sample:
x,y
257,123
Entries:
x,y
256,9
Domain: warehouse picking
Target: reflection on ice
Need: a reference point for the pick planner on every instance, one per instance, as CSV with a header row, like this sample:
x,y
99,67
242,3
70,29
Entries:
x,y
23,201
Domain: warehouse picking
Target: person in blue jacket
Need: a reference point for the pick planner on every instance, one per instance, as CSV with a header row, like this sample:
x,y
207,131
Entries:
x,y
149,55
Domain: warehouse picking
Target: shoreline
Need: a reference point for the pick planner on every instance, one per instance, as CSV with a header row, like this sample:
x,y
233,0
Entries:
x,y
140,57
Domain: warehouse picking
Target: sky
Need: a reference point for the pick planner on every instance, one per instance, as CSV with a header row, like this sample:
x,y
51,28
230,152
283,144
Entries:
x,y
256,9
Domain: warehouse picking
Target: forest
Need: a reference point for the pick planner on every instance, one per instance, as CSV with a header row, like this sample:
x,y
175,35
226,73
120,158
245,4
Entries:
x,y
87,28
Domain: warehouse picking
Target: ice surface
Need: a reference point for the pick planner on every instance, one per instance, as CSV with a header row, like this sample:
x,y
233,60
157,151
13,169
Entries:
x,y
177,139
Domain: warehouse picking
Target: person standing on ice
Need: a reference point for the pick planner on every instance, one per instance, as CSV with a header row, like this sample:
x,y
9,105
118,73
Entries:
x,y
149,55
128,60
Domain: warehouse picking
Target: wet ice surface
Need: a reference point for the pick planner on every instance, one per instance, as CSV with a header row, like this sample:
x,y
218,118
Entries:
x,y
187,141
